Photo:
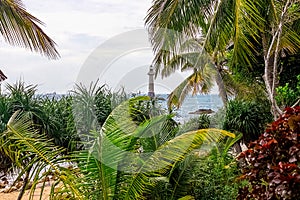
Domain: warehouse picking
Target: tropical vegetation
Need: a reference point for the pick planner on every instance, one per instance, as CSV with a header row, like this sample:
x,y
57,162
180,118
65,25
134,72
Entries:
x,y
97,144
126,158
272,168
227,37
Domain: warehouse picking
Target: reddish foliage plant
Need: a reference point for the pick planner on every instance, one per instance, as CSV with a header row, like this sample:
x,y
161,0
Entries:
x,y
273,161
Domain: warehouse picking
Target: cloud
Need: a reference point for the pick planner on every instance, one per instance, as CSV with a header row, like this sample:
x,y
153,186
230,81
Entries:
x,y
77,27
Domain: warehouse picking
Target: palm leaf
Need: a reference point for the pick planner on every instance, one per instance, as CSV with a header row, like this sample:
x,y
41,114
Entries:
x,y
170,23
102,162
198,82
164,158
116,166
32,153
20,28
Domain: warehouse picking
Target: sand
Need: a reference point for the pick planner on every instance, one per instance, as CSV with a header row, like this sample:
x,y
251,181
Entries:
x,y
14,195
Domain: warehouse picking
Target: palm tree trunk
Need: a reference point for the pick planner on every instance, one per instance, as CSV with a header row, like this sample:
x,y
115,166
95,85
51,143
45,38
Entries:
x,y
222,89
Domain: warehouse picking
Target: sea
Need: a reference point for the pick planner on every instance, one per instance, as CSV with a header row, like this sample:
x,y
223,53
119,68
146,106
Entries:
x,y
193,103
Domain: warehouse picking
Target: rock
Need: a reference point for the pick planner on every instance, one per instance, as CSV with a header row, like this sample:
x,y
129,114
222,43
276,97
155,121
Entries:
x,y
202,111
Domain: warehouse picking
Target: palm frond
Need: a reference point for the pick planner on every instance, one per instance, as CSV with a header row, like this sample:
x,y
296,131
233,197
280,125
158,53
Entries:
x,y
164,158
103,161
180,177
32,153
290,40
20,28
119,164
248,24
170,23
199,82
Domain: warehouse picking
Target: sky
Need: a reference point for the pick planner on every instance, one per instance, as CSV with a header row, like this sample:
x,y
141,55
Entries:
x,y
81,29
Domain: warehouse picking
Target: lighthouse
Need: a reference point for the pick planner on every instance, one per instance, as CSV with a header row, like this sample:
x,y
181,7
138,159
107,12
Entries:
x,y
151,82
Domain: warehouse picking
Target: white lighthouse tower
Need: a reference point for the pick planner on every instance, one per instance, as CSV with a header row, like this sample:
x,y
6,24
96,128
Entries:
x,y
151,82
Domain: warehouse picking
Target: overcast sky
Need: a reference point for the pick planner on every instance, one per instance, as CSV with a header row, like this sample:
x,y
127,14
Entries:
x,y
79,28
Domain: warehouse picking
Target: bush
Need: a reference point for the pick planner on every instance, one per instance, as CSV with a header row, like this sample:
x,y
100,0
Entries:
x,y
217,119
59,123
204,121
143,110
215,178
248,118
273,161
286,95
203,177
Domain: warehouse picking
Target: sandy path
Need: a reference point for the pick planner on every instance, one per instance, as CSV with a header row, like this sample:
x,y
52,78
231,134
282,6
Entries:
x,y
14,195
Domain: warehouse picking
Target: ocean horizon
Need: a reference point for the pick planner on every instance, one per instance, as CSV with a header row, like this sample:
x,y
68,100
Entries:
x,y
193,103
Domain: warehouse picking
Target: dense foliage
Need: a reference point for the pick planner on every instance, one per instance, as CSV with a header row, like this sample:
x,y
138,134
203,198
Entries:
x,y
272,167
58,116
126,160
59,123
288,95
248,118
215,177
204,174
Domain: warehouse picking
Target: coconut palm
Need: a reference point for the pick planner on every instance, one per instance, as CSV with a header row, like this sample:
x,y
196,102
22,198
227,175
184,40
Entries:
x,y
177,32
20,28
205,69
266,29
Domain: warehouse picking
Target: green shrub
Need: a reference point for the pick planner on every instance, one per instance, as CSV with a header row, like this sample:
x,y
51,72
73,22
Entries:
x,y
215,177
286,95
204,121
217,119
103,103
59,122
145,109
206,173
5,112
248,118
273,168
210,177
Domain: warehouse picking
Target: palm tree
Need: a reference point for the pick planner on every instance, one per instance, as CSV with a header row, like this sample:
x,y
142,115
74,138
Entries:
x,y
20,28
266,29
178,34
205,69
